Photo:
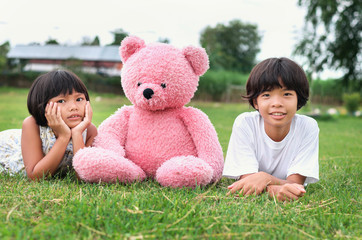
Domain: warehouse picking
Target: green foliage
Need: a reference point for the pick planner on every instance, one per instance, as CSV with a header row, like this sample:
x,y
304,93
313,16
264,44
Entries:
x,y
51,41
231,47
4,49
94,82
68,209
332,38
213,85
96,41
88,42
163,40
118,36
326,91
352,102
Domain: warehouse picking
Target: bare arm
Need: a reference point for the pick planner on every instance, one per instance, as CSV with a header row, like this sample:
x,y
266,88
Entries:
x,y
77,131
36,164
289,191
256,183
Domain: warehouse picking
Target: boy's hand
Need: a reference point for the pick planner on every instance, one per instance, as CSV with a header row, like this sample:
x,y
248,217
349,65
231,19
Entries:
x,y
86,120
254,183
286,192
55,121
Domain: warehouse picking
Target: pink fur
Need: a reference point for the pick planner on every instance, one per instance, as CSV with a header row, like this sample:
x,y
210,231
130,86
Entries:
x,y
157,137
198,59
130,46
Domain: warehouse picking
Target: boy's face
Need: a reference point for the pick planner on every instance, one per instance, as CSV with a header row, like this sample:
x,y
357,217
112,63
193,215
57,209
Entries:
x,y
277,107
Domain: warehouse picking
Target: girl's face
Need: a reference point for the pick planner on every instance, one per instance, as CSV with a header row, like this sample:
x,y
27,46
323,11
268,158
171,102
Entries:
x,y
72,107
277,107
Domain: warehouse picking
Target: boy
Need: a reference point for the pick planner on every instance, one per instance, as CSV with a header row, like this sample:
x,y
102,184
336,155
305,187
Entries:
x,y
274,149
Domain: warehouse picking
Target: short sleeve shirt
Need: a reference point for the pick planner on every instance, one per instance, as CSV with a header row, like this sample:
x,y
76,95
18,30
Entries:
x,y
251,150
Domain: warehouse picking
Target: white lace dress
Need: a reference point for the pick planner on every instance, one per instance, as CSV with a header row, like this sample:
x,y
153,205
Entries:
x,y
11,160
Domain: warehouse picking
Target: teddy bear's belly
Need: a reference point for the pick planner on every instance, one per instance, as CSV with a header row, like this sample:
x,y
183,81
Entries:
x,y
149,145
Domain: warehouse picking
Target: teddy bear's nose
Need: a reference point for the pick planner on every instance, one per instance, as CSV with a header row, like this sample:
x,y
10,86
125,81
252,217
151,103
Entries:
x,y
147,93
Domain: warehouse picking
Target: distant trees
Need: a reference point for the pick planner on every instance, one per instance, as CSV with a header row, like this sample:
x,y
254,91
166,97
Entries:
x,y
163,40
231,47
87,42
51,41
4,49
332,38
119,35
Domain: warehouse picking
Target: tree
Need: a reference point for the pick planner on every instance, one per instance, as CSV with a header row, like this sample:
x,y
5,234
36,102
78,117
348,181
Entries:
x,y
87,41
51,41
231,47
119,35
332,38
96,41
4,49
163,40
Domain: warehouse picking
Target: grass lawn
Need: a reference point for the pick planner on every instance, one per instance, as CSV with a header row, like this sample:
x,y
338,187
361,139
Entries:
x,y
68,209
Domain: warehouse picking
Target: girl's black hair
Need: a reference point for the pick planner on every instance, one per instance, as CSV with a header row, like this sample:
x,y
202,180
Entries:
x,y
50,85
272,73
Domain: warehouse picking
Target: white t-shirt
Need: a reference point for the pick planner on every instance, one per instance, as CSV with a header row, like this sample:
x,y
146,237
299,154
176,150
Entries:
x,y
251,150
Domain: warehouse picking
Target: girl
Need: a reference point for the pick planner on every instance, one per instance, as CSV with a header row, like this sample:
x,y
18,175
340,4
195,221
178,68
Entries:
x,y
274,149
59,125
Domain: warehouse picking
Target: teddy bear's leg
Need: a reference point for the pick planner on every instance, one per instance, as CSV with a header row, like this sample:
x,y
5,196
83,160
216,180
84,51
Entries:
x,y
101,165
184,171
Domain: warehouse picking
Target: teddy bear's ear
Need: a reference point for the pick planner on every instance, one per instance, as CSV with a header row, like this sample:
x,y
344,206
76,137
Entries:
x,y
129,46
198,59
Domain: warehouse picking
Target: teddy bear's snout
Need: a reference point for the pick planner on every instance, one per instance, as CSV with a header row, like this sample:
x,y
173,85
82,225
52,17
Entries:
x,y
148,93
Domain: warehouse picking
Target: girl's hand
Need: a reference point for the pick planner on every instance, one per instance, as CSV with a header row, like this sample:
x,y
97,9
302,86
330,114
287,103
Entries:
x,y
86,120
286,192
55,121
254,183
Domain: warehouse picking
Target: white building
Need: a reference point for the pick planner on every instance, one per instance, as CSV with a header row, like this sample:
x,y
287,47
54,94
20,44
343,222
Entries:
x,y
91,59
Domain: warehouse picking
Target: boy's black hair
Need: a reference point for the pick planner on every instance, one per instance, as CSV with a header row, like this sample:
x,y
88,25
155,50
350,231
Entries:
x,y
50,85
273,72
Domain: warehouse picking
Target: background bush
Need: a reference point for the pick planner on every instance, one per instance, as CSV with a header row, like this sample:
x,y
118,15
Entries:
x,y
94,82
213,86
352,102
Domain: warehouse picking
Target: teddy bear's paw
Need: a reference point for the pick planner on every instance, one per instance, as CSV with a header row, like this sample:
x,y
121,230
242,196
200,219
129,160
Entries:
x,y
184,171
101,165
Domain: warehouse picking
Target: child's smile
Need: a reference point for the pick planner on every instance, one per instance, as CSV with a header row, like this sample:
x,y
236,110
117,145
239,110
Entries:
x,y
278,115
277,107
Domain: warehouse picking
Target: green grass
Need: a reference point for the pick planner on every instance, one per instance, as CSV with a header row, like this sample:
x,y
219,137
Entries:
x,y
68,209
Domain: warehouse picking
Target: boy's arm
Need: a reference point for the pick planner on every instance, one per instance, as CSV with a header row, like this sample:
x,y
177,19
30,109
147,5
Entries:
x,y
256,183
291,190
241,152
286,192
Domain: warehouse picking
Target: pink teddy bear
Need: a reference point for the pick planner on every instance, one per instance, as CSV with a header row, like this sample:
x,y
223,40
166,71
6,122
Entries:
x,y
158,137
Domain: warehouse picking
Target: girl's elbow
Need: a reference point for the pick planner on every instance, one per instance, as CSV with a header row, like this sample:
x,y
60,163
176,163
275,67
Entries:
x,y
35,176
32,177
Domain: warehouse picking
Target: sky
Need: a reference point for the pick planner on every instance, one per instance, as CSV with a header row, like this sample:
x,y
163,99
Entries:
x,y
280,22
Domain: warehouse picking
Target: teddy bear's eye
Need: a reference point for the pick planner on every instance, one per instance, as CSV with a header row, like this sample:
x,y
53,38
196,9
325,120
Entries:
x,y
139,84
163,85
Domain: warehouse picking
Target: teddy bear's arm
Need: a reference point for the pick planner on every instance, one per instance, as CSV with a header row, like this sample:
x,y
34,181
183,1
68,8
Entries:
x,y
205,138
112,132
